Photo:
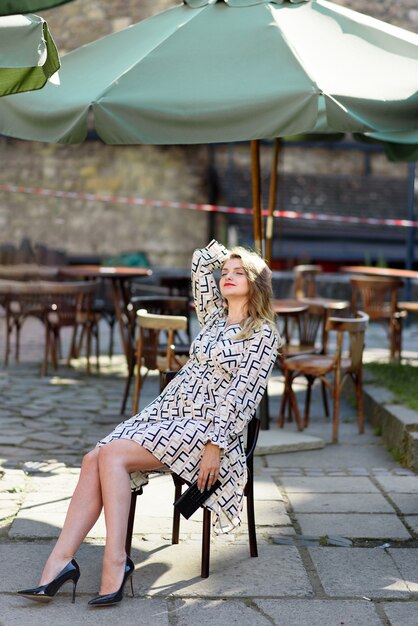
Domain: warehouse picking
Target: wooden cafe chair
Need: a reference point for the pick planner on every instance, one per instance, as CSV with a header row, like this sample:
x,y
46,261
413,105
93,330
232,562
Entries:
x,y
331,369
69,304
148,353
378,297
304,281
252,436
309,340
159,305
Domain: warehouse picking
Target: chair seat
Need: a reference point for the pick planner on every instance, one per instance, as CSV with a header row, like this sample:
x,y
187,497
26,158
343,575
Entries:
x,y
162,364
314,365
289,351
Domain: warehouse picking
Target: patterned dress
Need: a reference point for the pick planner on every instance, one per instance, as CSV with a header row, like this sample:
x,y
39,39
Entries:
x,y
212,398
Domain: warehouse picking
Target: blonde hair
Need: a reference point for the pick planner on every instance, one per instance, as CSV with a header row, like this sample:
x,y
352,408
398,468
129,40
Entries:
x,y
259,306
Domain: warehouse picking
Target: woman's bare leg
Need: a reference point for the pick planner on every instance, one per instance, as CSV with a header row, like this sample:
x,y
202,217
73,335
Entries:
x,y
82,514
116,460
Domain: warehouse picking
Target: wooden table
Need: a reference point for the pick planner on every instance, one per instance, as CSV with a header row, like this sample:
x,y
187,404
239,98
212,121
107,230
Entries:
x,y
288,308
118,277
385,272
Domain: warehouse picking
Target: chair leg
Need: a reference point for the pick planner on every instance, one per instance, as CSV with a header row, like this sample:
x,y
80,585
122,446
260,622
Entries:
x,y
126,392
55,347
252,537
294,405
325,398
111,338
44,367
9,330
88,346
285,401
131,520
310,380
176,517
205,543
138,385
97,337
359,393
335,418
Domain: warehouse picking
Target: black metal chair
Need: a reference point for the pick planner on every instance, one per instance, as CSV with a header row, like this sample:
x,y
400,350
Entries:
x,y
252,436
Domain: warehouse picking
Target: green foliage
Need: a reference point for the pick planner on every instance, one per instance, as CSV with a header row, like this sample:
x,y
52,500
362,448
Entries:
x,y
401,380
378,430
398,456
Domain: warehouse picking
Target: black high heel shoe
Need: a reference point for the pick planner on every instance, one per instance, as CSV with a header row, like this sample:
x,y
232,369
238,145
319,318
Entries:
x,y
115,597
45,593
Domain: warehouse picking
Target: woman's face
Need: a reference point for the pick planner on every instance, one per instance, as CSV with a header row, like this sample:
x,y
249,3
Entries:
x,y
234,281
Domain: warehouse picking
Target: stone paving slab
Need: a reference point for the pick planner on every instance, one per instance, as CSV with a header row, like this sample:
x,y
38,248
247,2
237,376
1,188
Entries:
x,y
408,504
265,488
215,612
277,441
407,562
336,456
339,503
17,611
354,525
412,521
327,484
358,573
320,612
399,484
175,570
401,613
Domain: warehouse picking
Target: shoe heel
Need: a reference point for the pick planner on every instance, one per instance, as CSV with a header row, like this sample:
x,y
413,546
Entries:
x,y
132,586
74,590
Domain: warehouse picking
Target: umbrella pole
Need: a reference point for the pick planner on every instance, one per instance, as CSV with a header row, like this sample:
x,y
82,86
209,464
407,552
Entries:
x,y
256,187
272,201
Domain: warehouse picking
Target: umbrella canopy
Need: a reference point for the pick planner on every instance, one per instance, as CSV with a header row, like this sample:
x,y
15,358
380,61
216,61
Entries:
x,y
210,71
28,56
10,7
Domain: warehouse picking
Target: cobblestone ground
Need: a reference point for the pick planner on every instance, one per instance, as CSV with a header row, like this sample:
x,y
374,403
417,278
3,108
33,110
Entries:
x,y
337,527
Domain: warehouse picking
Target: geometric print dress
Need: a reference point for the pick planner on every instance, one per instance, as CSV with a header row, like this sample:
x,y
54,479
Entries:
x,y
212,398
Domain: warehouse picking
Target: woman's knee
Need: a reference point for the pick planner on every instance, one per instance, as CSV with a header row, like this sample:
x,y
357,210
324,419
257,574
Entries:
x,y
90,460
110,453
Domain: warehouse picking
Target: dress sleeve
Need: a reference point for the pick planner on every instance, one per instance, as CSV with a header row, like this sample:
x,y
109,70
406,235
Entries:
x,y
207,298
246,388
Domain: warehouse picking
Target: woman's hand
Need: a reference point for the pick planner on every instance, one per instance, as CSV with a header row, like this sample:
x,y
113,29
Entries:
x,y
209,466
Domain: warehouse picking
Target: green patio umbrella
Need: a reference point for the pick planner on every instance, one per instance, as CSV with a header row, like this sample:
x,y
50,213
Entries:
x,y
220,71
28,56
209,71
14,7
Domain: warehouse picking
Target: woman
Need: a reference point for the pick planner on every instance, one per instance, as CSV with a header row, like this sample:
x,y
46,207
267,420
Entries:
x,y
194,427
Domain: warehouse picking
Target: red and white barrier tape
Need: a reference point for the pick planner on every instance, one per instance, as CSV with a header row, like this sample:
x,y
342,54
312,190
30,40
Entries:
x,y
292,215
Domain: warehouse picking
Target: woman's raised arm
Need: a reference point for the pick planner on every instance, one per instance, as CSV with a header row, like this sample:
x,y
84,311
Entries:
x,y
207,297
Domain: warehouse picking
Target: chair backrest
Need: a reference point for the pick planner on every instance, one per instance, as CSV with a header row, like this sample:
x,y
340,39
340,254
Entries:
x,y
168,305
312,321
39,298
304,281
377,296
150,326
356,328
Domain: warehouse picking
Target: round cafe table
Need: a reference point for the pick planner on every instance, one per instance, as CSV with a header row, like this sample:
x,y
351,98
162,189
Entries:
x,y
118,277
289,308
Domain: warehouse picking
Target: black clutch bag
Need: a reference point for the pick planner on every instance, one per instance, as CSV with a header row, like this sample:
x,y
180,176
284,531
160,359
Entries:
x,y
192,499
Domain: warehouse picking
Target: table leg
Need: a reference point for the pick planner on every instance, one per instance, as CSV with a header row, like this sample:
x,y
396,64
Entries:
x,y
116,300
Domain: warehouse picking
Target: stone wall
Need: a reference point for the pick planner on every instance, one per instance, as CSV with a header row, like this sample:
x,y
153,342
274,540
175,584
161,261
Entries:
x,y
167,235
